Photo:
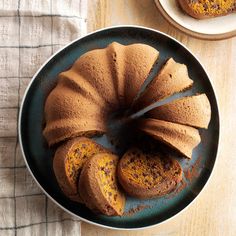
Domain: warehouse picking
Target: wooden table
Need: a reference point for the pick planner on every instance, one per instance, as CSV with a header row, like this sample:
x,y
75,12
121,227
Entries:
x,y
214,211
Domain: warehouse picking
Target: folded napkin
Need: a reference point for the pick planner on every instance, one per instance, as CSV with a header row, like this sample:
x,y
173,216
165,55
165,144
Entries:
x,y
30,31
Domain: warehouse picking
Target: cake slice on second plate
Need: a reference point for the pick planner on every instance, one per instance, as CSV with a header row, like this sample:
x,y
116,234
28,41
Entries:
x,y
206,9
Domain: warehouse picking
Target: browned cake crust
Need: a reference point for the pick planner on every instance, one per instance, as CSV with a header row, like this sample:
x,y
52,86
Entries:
x,y
172,78
76,82
194,111
131,65
201,9
139,60
145,175
98,185
95,66
179,137
68,163
69,114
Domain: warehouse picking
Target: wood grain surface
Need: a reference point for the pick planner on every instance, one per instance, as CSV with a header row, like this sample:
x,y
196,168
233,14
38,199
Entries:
x,y
214,211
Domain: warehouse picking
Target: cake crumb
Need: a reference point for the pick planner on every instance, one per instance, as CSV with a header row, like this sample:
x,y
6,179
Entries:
x,y
182,185
135,210
193,171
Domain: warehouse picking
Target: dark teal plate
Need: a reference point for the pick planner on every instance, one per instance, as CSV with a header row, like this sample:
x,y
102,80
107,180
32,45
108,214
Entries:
x,y
39,157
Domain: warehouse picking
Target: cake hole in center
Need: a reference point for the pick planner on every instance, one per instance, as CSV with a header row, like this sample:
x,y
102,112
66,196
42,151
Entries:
x,y
121,133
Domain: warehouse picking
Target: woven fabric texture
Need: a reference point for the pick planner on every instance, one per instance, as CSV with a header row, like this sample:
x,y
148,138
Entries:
x,y
30,31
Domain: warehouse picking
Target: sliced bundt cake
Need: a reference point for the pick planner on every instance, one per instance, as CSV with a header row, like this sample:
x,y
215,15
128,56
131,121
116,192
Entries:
x,y
194,111
172,78
146,175
68,162
99,187
179,137
202,9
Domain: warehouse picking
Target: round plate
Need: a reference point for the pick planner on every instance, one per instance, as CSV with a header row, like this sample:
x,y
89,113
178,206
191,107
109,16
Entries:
x,y
212,29
39,157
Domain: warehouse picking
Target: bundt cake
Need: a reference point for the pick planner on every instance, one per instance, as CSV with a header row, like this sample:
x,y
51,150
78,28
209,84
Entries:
x,y
172,78
146,175
185,111
179,137
68,162
98,83
87,98
99,187
201,9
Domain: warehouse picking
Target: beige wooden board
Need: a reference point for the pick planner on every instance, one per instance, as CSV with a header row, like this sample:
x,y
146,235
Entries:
x,y
214,211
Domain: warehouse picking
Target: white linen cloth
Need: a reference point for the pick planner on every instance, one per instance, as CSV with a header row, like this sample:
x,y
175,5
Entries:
x,y
30,31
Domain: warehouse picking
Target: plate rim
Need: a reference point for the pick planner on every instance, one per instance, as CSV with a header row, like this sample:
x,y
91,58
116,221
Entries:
x,y
54,200
195,34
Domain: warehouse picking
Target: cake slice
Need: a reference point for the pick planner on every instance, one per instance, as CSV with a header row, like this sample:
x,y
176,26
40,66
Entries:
x,y
145,175
172,78
99,187
132,65
68,162
194,111
182,138
200,9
